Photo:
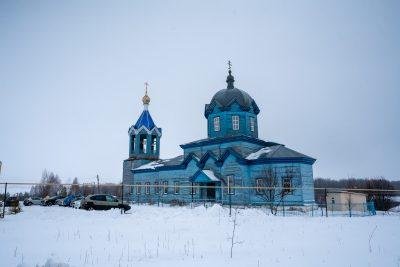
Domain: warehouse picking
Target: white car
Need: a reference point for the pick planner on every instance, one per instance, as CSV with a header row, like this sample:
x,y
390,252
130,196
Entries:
x,y
76,204
33,201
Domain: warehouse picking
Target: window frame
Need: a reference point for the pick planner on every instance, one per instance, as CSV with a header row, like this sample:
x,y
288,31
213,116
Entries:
x,y
252,124
230,180
165,188
285,189
217,124
156,188
147,188
259,186
176,188
138,188
193,189
235,122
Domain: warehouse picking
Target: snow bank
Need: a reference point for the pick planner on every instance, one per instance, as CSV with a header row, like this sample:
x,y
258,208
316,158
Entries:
x,y
180,236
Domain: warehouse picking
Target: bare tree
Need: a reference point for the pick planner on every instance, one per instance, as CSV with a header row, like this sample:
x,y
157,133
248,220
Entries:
x,y
232,238
273,189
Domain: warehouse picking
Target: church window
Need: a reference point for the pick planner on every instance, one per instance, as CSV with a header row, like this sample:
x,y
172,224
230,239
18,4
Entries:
x,y
165,187
156,188
231,184
143,144
287,184
235,122
147,188
176,188
216,124
193,189
252,124
259,185
138,188
133,140
154,144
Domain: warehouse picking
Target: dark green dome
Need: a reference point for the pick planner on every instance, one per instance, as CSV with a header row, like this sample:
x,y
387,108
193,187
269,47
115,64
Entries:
x,y
226,97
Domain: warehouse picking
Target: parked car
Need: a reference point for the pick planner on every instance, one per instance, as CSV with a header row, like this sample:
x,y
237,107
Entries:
x,y
32,201
67,201
12,202
50,201
103,202
60,201
74,202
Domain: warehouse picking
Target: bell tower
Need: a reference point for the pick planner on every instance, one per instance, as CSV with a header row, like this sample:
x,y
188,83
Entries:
x,y
144,141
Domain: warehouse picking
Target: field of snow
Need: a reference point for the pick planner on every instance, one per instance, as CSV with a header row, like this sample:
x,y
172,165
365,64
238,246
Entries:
x,y
176,236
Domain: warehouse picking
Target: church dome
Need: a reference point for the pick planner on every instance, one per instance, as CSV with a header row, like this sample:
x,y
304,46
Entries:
x,y
226,97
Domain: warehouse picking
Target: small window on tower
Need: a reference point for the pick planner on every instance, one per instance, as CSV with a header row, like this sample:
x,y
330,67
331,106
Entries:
x,y
154,144
143,144
133,139
216,124
235,122
252,124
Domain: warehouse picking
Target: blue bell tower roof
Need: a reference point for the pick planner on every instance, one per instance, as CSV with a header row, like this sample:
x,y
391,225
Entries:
x,y
146,120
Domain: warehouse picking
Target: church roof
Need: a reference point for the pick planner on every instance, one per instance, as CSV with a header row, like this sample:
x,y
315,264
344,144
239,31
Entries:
x,y
275,152
222,139
146,120
226,97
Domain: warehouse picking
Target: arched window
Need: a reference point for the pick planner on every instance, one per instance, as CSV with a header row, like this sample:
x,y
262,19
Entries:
x,y
216,124
235,122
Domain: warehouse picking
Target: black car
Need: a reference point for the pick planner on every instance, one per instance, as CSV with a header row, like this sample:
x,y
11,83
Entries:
x,y
51,201
103,202
12,202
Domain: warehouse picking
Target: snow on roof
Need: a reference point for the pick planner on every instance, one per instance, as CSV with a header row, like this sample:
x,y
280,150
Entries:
x,y
259,153
211,175
151,165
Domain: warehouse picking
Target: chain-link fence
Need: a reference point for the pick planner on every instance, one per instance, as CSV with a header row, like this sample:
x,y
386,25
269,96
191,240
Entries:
x,y
281,201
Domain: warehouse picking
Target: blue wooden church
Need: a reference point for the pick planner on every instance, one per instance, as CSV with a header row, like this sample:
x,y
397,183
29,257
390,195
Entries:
x,y
231,164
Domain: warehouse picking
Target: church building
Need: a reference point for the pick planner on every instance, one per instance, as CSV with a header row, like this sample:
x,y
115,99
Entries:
x,y
231,165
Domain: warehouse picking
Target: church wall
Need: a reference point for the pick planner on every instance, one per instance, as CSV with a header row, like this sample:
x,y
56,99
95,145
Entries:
x,y
260,171
172,176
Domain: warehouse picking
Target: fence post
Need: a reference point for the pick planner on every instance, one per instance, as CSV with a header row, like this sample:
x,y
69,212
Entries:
x,y
4,200
326,203
192,193
122,193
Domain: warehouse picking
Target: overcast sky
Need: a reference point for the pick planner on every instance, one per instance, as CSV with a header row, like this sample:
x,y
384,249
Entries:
x,y
325,74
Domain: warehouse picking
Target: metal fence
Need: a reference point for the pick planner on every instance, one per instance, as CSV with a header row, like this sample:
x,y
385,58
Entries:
x,y
280,201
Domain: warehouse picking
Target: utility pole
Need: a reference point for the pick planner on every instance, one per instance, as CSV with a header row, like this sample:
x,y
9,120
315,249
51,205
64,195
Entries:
x,y
98,184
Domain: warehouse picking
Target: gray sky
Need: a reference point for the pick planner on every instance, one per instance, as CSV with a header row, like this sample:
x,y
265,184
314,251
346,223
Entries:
x,y
325,75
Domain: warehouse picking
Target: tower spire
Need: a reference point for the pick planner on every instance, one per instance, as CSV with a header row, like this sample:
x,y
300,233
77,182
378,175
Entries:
x,y
230,79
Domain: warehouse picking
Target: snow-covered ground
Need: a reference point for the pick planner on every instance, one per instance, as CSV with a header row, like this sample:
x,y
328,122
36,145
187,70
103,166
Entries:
x,y
176,236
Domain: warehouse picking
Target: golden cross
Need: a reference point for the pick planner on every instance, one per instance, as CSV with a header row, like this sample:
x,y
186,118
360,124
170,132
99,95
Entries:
x,y
146,84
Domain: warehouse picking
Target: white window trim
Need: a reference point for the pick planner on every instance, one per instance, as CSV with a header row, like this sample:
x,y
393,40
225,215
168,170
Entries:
x,y
165,188
138,188
156,188
217,124
147,188
235,122
230,183
252,124
176,188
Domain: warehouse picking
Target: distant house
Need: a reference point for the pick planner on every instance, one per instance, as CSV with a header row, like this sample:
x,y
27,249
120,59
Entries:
x,y
346,201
